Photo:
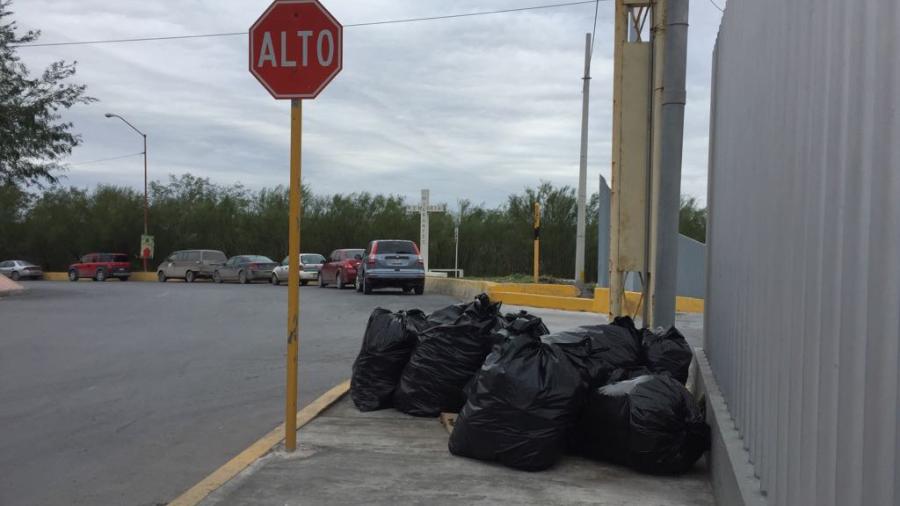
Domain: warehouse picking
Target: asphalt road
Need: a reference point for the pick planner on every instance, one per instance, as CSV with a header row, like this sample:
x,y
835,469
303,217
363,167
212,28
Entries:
x,y
129,393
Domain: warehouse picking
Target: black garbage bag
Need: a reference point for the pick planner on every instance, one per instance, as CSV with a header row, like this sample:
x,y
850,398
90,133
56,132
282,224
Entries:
x,y
446,358
650,423
611,347
525,397
387,344
668,352
514,324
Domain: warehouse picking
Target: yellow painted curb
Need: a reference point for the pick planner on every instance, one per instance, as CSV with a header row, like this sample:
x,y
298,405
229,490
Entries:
x,y
544,301
134,276
538,289
261,447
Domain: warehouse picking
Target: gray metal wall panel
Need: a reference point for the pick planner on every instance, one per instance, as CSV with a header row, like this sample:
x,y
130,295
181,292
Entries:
x,y
803,246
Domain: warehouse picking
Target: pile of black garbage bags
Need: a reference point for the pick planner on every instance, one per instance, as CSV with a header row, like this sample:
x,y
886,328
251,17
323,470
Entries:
x,y
525,397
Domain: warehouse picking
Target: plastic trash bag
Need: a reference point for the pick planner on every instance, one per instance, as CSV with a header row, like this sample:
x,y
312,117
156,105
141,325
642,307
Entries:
x,y
611,347
650,423
446,358
387,345
525,397
668,352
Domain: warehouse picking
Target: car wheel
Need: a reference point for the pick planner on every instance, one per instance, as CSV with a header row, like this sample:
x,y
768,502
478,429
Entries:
x,y
367,288
303,282
73,275
217,277
189,276
161,276
242,277
420,289
14,276
339,280
275,280
322,283
356,284
100,276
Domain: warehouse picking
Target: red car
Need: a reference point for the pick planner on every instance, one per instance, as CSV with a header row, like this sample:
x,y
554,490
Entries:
x,y
340,269
99,266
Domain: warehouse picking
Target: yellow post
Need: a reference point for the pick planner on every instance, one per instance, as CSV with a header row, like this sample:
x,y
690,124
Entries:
x,y
293,322
537,241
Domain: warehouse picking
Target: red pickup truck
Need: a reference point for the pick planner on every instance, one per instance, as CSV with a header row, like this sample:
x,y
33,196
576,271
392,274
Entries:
x,y
99,266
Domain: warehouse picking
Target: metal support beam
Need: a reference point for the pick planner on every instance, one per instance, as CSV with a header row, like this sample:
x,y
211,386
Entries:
x,y
667,171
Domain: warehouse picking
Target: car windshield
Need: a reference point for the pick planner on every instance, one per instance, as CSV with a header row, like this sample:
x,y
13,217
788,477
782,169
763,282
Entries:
x,y
402,247
312,259
258,258
215,256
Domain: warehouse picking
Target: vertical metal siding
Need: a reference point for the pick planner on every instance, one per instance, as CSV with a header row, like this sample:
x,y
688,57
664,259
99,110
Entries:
x,y
803,247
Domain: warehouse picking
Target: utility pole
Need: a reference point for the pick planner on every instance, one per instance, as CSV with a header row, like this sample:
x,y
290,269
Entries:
x,y
537,241
582,169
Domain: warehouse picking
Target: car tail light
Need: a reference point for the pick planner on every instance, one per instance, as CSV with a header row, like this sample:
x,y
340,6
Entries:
x,y
420,260
253,266
371,260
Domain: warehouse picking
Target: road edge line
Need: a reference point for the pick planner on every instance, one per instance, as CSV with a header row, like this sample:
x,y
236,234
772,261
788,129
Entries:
x,y
260,447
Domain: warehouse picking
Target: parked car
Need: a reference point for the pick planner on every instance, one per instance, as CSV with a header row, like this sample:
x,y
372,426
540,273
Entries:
x,y
190,264
310,265
340,269
20,269
391,263
245,269
99,266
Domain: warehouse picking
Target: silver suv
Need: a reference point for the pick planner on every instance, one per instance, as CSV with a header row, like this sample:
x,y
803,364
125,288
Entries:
x,y
190,264
391,263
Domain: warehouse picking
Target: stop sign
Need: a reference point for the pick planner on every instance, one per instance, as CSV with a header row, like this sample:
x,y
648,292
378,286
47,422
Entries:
x,y
295,48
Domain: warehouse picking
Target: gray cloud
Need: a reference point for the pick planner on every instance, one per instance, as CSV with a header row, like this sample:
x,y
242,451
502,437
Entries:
x,y
472,108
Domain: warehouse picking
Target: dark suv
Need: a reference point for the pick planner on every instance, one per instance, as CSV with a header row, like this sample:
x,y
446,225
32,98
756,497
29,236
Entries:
x,y
391,263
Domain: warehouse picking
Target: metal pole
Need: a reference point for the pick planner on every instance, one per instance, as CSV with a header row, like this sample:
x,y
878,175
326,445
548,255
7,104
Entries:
x,y
293,322
603,236
582,169
537,241
456,254
145,195
665,263
423,228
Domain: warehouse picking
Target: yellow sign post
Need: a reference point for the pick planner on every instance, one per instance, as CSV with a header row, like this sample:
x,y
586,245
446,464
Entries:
x,y
293,323
277,69
537,241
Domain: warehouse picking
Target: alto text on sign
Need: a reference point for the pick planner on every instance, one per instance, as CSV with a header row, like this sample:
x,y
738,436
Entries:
x,y
295,48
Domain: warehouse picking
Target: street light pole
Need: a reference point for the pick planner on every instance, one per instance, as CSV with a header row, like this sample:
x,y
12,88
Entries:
x,y
146,212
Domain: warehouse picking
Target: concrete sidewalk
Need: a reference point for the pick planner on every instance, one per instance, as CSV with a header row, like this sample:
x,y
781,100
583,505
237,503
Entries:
x,y
386,457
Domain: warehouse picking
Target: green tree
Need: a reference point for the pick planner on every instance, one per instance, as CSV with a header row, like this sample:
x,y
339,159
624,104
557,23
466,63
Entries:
x,y
33,138
692,219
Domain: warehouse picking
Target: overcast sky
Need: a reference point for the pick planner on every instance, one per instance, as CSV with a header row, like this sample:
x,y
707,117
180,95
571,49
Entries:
x,y
476,108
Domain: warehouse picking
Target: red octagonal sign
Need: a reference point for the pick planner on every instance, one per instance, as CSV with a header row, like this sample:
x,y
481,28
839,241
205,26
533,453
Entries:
x,y
295,48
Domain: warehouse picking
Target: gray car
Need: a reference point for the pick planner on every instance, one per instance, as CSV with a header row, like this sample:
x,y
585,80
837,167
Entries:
x,y
391,263
245,269
20,269
190,264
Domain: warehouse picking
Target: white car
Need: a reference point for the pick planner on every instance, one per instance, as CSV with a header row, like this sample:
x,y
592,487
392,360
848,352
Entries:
x,y
310,265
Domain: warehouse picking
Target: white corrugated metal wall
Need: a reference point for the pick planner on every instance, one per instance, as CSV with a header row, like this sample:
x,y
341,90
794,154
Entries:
x,y
802,310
